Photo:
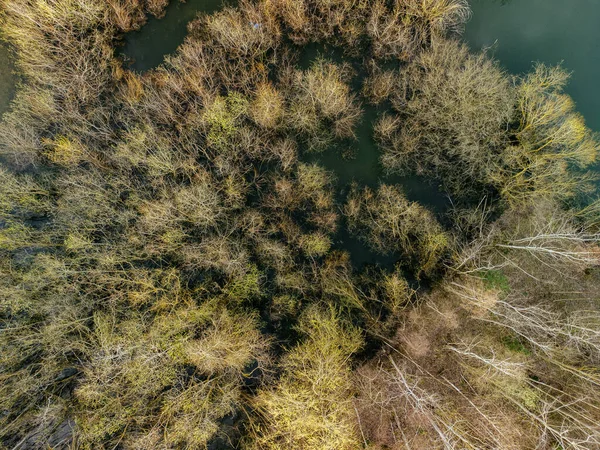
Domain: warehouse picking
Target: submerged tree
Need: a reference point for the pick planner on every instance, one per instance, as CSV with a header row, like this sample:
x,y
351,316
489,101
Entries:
x,y
453,111
552,141
323,106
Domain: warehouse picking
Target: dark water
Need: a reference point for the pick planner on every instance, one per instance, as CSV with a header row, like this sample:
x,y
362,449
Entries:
x,y
7,79
357,161
146,48
520,32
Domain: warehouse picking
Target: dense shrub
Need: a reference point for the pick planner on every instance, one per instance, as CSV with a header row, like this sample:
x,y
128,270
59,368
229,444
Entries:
x,y
310,406
453,111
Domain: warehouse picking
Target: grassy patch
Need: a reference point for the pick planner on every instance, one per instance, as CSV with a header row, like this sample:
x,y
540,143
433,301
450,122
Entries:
x,y
496,280
514,344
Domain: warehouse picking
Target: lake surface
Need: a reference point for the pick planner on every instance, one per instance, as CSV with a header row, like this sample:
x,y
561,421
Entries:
x,y
520,32
7,79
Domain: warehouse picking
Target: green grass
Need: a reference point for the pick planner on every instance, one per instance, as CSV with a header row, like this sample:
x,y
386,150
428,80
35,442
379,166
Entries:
x,y
514,344
495,280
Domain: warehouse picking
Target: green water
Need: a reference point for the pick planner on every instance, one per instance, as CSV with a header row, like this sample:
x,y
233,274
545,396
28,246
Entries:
x,y
357,160
520,32
7,80
146,48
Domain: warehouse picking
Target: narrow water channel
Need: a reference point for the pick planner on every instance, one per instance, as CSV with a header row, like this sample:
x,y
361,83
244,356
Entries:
x,y
7,79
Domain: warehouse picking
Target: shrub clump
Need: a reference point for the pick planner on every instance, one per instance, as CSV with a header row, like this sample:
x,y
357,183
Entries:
x,y
453,109
167,382
322,106
388,222
310,406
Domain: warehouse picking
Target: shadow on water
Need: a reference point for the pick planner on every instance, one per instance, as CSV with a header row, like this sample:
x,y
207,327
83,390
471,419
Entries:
x,y
357,161
7,79
146,48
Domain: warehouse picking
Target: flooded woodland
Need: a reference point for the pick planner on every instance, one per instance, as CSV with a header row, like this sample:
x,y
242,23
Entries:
x,y
299,224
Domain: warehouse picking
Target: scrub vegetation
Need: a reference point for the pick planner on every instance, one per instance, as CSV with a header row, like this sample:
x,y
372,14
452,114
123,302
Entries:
x,y
171,269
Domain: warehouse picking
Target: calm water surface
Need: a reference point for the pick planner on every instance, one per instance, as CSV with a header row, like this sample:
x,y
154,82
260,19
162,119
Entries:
x,y
521,32
146,48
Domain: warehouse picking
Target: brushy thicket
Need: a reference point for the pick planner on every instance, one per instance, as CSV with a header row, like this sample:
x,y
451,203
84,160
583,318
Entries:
x,y
169,272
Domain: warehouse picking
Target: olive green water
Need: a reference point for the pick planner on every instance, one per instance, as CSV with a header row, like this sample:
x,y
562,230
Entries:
x,y
357,161
7,79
